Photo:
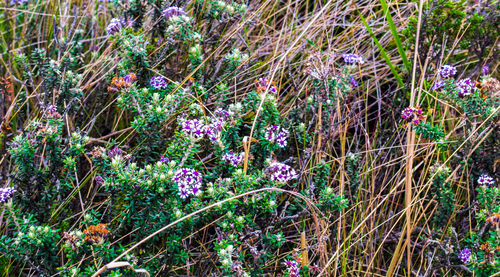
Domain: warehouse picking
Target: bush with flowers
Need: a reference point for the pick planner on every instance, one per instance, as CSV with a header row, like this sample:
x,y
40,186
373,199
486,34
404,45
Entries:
x,y
247,138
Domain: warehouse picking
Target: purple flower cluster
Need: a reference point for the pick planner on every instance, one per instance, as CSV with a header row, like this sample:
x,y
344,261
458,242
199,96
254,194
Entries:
x,y
280,173
114,26
164,159
413,115
485,180
130,78
171,11
158,82
115,152
293,268
233,159
277,134
464,255
193,128
18,2
438,86
188,181
218,121
353,82
197,129
221,114
99,180
353,58
465,87
6,194
447,71
485,70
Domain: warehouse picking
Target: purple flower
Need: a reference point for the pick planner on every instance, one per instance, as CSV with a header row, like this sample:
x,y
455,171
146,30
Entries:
x,y
193,128
353,82
213,130
114,26
465,87
353,58
14,145
18,2
485,180
6,194
438,86
99,180
130,78
265,85
413,115
221,113
447,71
114,152
464,255
233,159
280,173
158,82
188,182
485,70
51,112
171,11
277,134
164,159
51,108
293,268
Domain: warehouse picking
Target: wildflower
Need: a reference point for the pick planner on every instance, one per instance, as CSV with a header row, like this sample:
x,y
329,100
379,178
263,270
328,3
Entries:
x,y
193,128
264,85
171,11
115,152
293,268
233,159
118,83
130,78
96,233
485,180
277,134
99,180
353,58
212,130
158,82
465,87
281,173
18,2
413,115
447,71
164,159
188,181
51,112
114,26
6,194
485,70
438,86
221,113
464,255
353,82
